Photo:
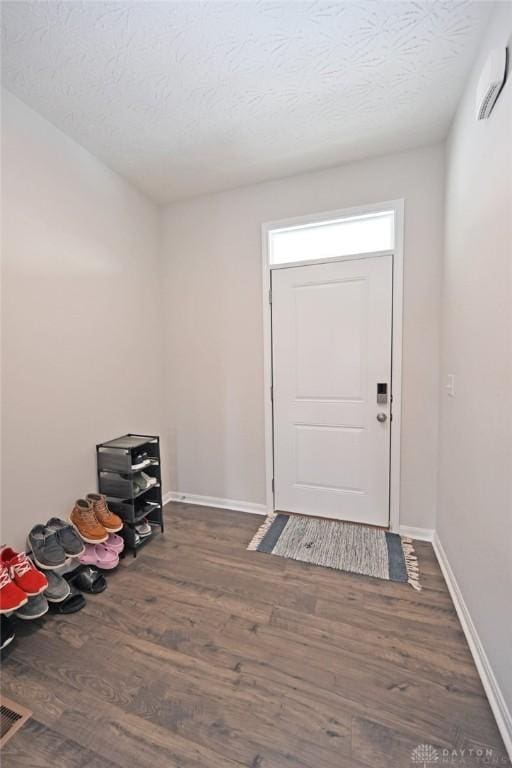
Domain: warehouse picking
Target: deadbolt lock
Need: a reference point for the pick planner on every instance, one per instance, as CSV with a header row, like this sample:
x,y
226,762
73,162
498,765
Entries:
x,y
382,393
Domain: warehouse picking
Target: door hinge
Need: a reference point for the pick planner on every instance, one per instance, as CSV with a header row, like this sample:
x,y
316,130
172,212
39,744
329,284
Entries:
x,y
270,295
273,485
272,393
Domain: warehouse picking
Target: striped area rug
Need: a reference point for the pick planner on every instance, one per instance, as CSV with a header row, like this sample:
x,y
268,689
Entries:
x,y
336,544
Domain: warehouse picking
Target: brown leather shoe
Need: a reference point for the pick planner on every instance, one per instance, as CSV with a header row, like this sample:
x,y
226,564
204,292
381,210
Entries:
x,y
84,520
112,523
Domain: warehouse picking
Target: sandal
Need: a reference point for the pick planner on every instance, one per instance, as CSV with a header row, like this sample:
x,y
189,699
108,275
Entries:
x,y
88,579
115,543
100,556
75,602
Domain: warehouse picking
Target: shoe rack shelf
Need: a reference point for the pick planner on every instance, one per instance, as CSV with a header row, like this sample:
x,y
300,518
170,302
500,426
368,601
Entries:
x,y
118,463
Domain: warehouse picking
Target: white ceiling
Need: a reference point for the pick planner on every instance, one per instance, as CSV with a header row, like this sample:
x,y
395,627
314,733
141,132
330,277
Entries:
x,y
184,98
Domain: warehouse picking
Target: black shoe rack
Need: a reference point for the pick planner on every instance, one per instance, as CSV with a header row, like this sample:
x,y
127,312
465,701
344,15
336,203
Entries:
x,y
118,462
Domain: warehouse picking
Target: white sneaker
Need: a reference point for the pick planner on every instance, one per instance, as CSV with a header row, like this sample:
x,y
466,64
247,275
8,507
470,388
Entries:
x,y
141,482
143,528
142,464
148,479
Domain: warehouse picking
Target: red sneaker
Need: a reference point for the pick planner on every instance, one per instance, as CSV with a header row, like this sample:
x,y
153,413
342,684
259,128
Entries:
x,y
11,596
22,572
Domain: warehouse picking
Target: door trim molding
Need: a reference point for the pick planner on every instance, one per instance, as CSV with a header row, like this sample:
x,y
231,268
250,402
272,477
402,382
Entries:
x,y
397,313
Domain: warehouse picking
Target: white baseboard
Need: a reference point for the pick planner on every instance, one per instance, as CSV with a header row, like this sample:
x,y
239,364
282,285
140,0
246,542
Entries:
x,y
498,705
422,534
213,501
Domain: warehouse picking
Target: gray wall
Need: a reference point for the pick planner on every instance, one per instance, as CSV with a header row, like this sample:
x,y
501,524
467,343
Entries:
x,y
474,520
214,322
80,317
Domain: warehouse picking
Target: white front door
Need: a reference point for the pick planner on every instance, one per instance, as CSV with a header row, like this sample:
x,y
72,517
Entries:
x,y
331,348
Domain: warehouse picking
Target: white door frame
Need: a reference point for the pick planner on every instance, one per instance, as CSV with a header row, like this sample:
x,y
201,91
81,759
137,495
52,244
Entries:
x,y
396,361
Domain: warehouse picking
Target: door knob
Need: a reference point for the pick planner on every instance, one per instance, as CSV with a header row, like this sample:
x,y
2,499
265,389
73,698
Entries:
x,y
382,417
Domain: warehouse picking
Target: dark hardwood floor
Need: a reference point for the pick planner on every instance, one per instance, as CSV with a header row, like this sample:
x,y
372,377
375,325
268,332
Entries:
x,y
203,655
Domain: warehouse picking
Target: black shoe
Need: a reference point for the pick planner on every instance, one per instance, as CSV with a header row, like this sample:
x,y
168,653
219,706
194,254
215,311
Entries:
x,y
140,460
6,631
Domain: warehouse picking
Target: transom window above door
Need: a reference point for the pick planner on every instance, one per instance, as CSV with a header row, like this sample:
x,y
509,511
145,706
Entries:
x,y
368,233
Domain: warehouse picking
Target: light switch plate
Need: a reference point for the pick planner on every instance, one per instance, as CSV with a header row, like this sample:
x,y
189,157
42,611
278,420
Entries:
x,y
450,384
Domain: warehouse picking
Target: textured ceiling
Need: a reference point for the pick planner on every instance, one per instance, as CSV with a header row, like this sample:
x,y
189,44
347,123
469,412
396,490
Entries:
x,y
184,98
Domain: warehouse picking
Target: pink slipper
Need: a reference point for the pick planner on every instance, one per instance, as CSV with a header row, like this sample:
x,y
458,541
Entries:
x,y
88,556
115,543
100,556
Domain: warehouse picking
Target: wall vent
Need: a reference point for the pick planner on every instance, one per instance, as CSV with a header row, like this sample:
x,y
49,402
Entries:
x,y
12,717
